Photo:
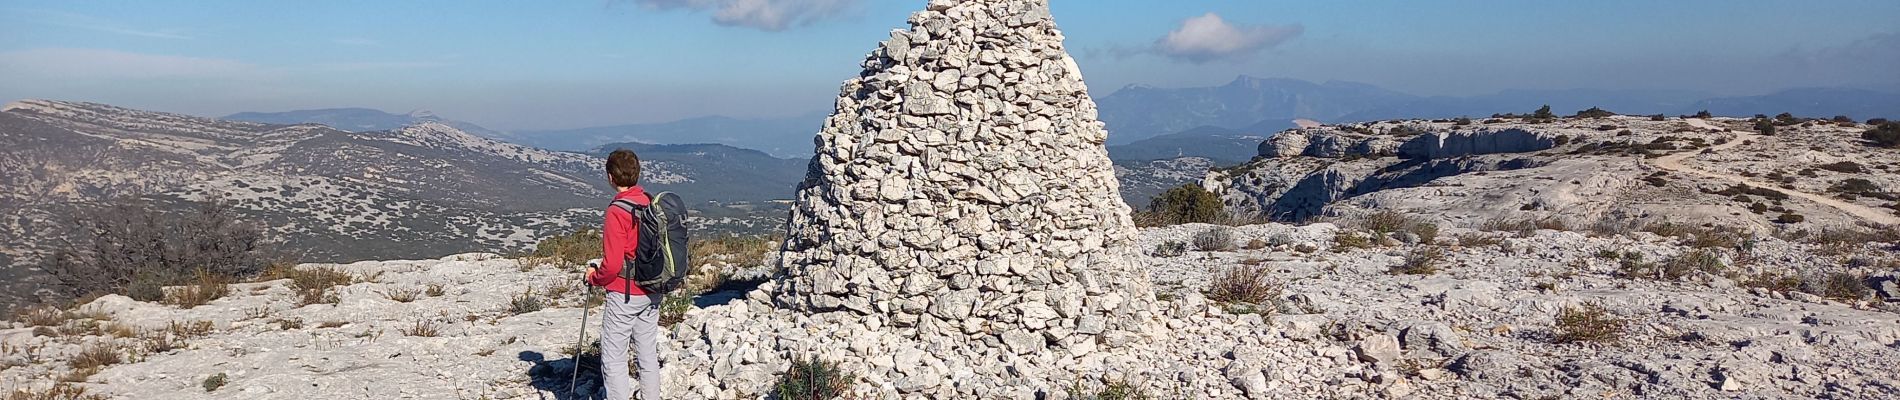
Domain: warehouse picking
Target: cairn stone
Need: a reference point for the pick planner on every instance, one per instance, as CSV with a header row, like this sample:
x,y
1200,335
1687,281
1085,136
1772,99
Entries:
x,y
960,212
963,176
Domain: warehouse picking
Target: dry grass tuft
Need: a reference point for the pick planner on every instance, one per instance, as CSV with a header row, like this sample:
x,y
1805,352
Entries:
x,y
1247,288
98,355
205,288
402,295
59,391
422,328
41,316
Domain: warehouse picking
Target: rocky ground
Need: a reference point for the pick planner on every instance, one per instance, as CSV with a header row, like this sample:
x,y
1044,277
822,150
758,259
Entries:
x,y
1581,170
1342,325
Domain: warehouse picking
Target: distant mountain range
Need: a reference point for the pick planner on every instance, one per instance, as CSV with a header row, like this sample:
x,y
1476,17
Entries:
x,y
730,174
359,120
782,137
1207,122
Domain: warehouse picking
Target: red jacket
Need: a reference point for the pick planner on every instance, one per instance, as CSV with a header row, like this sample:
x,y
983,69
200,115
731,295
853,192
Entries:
x,y
619,236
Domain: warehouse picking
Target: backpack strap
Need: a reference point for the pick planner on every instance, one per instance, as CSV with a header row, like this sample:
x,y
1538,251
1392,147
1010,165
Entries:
x,y
625,205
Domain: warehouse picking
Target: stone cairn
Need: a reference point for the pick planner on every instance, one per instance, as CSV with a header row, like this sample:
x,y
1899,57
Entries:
x,y
961,216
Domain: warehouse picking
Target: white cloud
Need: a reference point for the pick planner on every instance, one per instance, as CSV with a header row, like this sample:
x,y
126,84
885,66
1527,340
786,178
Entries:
x,y
768,15
1210,38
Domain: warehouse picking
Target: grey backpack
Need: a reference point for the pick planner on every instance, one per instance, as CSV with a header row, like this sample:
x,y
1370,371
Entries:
x,y
659,263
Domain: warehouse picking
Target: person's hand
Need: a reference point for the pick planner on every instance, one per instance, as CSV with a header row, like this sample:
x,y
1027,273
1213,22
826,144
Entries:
x,y
592,265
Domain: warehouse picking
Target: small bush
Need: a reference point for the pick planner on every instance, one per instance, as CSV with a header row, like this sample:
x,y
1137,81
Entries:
x,y
1857,186
1848,167
1347,240
1884,134
673,309
1588,323
435,290
524,303
134,248
289,324
1219,238
422,328
1421,261
1790,218
96,356
1837,285
1185,204
1111,390
1169,249
1595,112
1699,260
402,295
1764,126
1524,227
212,383
810,378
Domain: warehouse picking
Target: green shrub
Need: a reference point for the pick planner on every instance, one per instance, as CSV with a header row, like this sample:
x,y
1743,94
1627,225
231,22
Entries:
x,y
1837,285
212,383
1219,238
810,378
1699,260
1169,249
1849,167
1388,222
1588,323
1186,204
1595,112
1543,114
524,303
1421,261
1110,390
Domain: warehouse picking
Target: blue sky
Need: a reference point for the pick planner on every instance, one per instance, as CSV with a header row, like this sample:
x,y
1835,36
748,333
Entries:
x,y
559,64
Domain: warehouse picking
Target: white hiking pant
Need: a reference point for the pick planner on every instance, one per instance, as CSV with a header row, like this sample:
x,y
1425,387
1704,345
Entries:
x,y
633,322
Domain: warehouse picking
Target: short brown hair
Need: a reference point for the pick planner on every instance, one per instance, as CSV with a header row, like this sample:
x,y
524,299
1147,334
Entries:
x,y
623,168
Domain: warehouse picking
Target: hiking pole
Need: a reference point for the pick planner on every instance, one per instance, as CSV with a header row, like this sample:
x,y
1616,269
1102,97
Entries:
x,y
579,345
587,295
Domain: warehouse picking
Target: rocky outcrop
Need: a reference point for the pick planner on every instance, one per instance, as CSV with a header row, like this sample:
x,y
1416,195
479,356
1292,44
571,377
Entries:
x,y
1438,145
1578,169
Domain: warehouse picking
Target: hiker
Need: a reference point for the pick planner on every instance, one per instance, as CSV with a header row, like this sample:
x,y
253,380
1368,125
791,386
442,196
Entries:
x,y
632,314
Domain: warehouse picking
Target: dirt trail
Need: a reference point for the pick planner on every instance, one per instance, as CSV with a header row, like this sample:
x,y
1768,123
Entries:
x,y
1673,163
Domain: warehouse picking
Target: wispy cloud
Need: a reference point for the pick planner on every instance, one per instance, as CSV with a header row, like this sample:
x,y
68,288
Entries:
x,y
767,15
378,65
92,23
357,41
96,64
1210,38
